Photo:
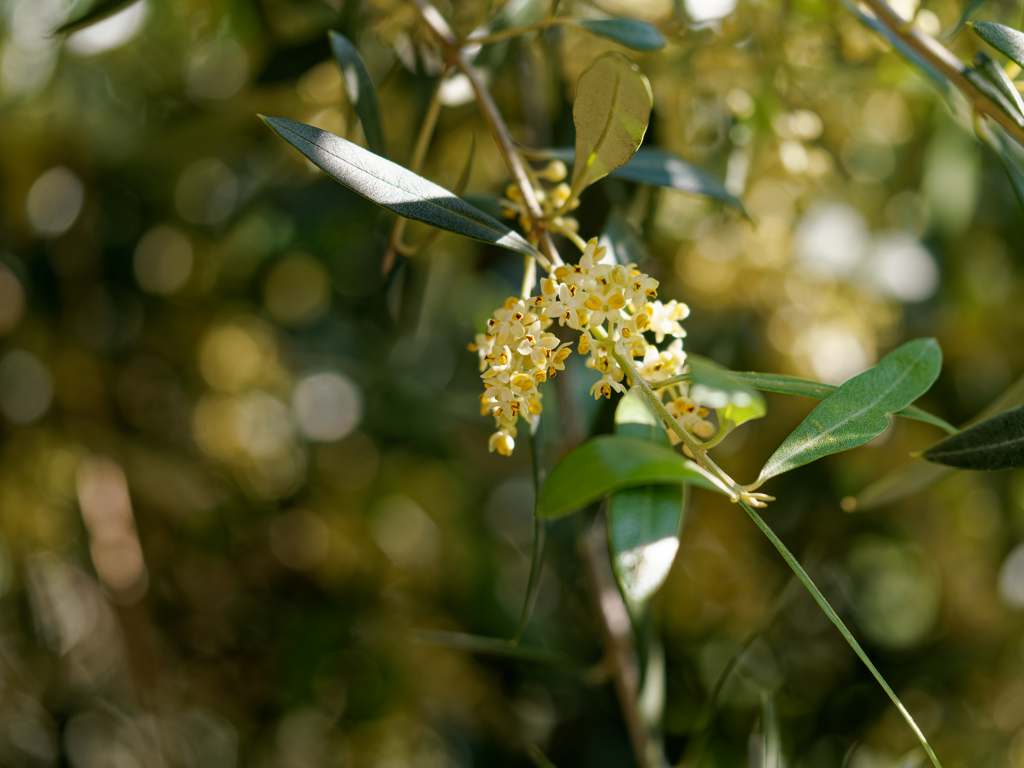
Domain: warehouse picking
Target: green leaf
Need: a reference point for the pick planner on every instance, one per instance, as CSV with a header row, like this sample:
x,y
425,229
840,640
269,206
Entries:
x,y
493,646
984,83
715,387
622,240
638,35
101,10
996,443
394,187
791,385
859,409
361,91
995,137
660,169
920,475
827,609
643,522
1007,41
1001,80
610,463
611,112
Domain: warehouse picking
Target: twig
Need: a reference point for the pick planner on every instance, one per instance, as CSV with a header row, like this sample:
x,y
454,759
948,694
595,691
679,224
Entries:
x,y
948,65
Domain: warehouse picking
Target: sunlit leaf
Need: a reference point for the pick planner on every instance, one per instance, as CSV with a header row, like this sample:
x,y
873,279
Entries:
x,y
643,522
394,187
361,91
103,9
611,112
791,385
609,463
858,411
638,35
713,386
996,443
1006,40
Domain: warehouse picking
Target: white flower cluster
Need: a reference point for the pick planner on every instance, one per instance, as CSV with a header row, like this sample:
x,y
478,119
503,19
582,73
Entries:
x,y
612,306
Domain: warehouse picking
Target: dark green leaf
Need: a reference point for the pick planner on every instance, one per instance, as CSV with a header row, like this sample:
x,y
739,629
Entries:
x,y
996,443
611,112
394,187
984,83
638,35
1001,80
103,9
361,91
605,464
1007,41
493,646
791,385
660,169
713,386
858,411
643,522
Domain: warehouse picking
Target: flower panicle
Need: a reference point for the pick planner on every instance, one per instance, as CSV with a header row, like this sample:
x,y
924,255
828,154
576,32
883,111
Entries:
x,y
612,307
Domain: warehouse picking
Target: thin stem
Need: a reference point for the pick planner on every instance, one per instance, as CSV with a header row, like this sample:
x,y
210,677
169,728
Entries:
x,y
507,34
506,146
946,63
819,598
540,530
419,154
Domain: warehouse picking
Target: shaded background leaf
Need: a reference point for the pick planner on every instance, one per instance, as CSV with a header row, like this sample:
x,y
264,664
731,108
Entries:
x,y
714,387
632,33
100,10
361,91
996,443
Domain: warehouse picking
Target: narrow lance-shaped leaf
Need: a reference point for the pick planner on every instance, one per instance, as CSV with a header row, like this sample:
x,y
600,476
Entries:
x,y
611,112
643,522
996,443
394,187
994,136
610,463
791,385
998,76
638,35
920,475
361,91
859,409
984,83
101,10
713,386
1006,40
660,169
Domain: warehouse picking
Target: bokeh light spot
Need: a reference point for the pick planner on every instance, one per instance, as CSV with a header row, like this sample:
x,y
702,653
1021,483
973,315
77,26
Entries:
x,y
54,201
216,70
163,260
328,406
299,539
297,290
26,387
232,357
206,192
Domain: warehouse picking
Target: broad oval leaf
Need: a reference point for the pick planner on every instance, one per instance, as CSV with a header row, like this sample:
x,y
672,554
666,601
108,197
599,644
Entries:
x,y
1006,40
101,10
791,385
859,409
638,35
609,463
361,91
713,386
394,187
611,112
643,522
996,443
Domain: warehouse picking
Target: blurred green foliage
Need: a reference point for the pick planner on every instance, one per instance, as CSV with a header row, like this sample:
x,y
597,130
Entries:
x,y
239,465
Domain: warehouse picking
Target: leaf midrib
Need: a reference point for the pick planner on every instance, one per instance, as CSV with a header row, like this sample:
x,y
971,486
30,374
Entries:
x,y
426,200
591,159
975,448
